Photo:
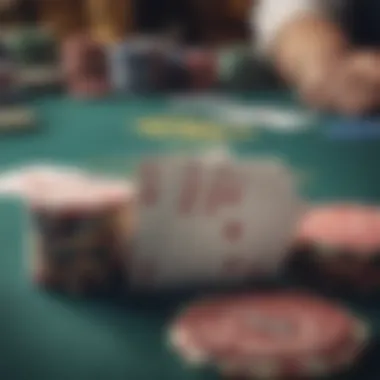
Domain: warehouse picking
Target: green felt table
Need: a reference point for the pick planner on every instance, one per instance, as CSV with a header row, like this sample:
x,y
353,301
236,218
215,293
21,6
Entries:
x,y
49,337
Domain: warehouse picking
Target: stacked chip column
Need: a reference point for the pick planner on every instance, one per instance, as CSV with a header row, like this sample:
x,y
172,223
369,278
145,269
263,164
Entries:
x,y
79,250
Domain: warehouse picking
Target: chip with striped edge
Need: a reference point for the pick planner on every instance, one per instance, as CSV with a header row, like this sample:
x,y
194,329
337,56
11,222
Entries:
x,y
340,242
350,227
80,226
272,336
80,229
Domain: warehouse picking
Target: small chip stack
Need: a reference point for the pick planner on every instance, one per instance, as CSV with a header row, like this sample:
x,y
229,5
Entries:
x,y
138,66
31,45
14,117
239,69
80,228
269,336
84,65
34,51
339,244
232,65
7,88
201,65
175,75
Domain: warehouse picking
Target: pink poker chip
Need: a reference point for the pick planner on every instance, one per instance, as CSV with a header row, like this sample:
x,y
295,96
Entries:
x,y
59,189
351,227
271,336
90,195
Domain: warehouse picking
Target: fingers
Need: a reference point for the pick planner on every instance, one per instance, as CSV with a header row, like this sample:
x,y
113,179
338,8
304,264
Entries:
x,y
357,87
350,86
316,88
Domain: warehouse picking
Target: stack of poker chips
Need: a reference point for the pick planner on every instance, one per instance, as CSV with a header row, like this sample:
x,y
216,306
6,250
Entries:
x,y
13,115
136,66
148,65
80,228
31,45
339,245
7,76
201,65
239,69
269,336
84,65
175,76
33,50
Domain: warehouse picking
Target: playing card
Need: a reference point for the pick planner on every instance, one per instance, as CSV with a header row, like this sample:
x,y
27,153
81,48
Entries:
x,y
180,237
191,221
216,220
186,188
270,208
149,245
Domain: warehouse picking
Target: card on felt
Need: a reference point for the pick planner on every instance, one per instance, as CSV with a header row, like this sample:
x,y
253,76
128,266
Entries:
x,y
194,260
215,220
148,247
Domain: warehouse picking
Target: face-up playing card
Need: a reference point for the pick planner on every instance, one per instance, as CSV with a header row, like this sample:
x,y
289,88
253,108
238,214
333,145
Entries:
x,y
189,224
149,247
207,221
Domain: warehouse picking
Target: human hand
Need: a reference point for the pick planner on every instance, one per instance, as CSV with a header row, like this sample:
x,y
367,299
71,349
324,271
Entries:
x,y
357,83
349,84
316,84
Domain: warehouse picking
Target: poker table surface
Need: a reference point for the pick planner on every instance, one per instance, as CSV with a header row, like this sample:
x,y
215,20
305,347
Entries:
x,y
52,337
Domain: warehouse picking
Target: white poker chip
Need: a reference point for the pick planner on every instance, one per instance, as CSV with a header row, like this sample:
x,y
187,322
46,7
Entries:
x,y
58,188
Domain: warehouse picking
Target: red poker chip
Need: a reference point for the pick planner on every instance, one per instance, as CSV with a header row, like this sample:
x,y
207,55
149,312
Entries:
x,y
269,336
350,227
202,68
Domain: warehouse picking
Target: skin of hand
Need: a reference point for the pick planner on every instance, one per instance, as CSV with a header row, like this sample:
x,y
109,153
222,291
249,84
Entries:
x,y
356,83
306,45
314,56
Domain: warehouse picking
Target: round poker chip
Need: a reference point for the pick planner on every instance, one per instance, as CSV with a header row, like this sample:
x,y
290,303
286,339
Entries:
x,y
85,195
275,336
84,65
338,245
65,190
346,227
79,218
201,65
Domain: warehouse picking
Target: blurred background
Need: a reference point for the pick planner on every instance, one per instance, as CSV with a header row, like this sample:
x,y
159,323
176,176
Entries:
x,y
92,48
196,21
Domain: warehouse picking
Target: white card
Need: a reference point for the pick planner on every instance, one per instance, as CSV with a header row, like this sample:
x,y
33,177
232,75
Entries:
x,y
142,266
216,221
190,262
